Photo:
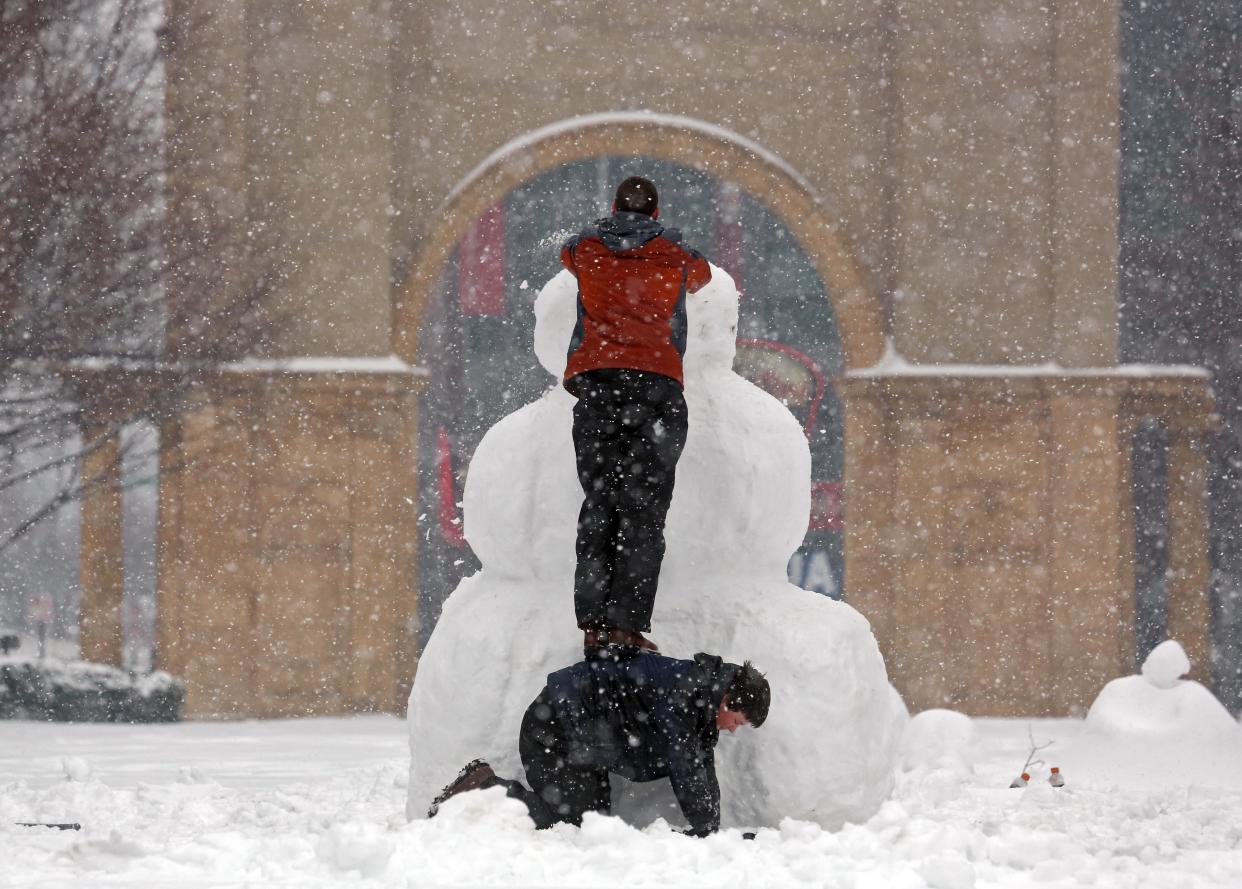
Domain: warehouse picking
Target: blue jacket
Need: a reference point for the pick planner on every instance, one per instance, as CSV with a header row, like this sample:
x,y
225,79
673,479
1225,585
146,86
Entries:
x,y
645,718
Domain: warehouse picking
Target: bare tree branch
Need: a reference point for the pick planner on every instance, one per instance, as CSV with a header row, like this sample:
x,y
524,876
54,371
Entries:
x,y
91,285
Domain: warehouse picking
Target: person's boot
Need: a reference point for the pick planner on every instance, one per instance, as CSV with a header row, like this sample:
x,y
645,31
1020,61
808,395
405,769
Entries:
x,y
614,642
632,638
474,774
594,640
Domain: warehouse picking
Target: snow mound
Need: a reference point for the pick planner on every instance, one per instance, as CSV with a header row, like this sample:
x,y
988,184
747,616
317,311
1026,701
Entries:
x,y
937,739
740,508
1159,704
80,691
490,809
364,848
1160,730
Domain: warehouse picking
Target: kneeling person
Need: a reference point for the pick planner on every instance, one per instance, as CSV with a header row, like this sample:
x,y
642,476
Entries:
x,y
644,718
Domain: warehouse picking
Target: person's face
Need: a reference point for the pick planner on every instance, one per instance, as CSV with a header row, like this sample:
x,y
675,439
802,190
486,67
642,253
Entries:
x,y
729,721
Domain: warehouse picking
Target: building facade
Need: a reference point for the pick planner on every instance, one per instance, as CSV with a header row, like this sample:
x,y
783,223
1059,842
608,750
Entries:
x,y
921,206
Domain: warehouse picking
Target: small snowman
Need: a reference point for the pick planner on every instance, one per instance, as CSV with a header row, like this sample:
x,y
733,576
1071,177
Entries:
x,y
1159,701
1158,730
740,509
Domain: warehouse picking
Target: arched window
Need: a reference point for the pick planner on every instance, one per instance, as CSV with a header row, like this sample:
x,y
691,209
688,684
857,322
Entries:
x,y
478,332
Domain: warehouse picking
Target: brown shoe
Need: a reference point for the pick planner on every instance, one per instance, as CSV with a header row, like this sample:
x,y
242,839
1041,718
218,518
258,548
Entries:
x,y
596,639
472,776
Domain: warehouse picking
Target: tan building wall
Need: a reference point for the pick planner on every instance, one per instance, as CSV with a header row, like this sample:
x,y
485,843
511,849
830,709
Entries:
x,y
955,183
990,531
968,153
279,114
286,547
969,150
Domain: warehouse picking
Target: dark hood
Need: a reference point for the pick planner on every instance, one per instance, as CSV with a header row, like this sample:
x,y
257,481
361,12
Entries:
x,y
719,675
627,231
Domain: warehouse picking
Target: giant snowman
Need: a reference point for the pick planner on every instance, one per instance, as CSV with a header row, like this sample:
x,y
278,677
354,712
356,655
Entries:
x,y
740,509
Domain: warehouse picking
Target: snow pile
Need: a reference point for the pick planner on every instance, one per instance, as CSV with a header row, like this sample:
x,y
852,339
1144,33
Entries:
x,y
938,739
1159,730
828,749
82,691
316,804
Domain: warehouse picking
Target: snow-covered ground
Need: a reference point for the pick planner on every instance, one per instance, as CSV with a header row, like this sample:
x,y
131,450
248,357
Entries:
x,y
320,802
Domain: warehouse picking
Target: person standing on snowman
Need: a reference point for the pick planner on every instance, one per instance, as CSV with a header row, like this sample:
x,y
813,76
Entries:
x,y
630,422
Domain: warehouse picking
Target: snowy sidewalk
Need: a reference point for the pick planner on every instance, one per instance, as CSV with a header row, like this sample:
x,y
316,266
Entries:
x,y
319,803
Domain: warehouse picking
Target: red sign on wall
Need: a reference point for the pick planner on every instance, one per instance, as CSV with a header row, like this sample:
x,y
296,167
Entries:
x,y
826,511
727,236
481,265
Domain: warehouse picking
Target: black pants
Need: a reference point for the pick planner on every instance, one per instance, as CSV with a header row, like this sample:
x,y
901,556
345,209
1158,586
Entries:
x,y
560,793
629,431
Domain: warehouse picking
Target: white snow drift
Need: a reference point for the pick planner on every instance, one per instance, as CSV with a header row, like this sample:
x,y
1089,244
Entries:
x,y
316,804
828,750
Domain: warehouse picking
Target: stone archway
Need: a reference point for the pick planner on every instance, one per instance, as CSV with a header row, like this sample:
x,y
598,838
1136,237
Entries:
x,y
858,308
474,212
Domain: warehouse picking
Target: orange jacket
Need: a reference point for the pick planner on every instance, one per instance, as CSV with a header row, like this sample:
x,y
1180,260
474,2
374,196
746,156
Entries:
x,y
633,277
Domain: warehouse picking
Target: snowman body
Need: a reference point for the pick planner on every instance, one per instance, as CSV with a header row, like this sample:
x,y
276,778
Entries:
x,y
739,510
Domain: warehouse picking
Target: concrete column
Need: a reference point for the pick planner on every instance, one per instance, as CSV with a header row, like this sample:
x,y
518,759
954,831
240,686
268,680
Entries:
x,y
206,108
1091,593
215,568
972,158
382,596
1085,155
1189,616
1127,634
319,164
169,651
869,467
924,628
101,564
